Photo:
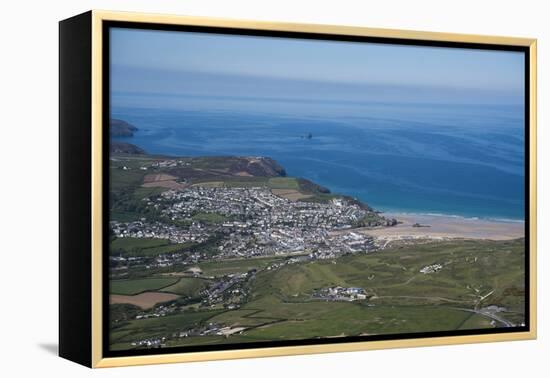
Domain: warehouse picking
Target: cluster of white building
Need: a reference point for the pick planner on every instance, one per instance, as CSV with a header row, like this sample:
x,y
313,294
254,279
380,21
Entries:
x,y
339,293
431,269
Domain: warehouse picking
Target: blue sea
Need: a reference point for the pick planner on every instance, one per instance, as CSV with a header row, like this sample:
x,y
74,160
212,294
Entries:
x,y
464,160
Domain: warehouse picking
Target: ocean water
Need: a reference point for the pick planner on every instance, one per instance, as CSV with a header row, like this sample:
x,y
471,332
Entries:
x,y
465,160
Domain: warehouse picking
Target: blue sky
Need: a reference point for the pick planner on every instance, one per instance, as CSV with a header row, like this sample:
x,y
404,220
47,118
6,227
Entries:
x,y
181,63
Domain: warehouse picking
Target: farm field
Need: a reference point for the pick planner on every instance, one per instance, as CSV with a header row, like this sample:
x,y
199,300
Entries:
x,y
145,247
223,267
132,287
144,300
401,299
123,334
187,286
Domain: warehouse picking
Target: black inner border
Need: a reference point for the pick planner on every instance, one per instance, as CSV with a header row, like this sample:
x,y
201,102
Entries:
x,y
107,25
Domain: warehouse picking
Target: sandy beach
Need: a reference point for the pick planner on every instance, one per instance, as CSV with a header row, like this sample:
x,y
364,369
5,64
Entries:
x,y
448,227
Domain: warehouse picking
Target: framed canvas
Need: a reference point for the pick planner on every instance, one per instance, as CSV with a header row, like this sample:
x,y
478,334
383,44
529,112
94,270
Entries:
x,y
234,189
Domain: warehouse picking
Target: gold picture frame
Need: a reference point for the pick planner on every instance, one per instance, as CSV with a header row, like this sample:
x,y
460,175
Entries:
x,y
91,24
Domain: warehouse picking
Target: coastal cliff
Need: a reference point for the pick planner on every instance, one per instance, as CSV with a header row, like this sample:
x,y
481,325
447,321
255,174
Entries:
x,y
125,148
120,128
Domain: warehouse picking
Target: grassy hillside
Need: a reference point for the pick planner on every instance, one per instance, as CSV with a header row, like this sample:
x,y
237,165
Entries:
x,y
188,286
132,287
145,247
474,275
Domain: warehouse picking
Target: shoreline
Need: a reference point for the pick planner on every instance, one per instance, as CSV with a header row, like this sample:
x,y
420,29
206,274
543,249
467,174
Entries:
x,y
420,213
441,227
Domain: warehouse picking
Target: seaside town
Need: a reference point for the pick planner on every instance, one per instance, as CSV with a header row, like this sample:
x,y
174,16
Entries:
x,y
252,222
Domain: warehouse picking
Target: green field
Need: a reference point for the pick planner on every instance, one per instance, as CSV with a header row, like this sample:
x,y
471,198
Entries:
x,y
246,182
124,216
145,247
403,299
347,319
122,335
128,244
470,270
188,286
140,193
224,267
475,274
244,318
283,183
338,319
132,287
122,179
243,182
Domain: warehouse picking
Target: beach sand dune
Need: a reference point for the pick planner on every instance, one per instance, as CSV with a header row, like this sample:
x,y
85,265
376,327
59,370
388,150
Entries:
x,y
446,227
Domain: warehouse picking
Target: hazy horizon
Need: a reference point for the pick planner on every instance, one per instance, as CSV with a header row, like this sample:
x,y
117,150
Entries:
x,y
167,63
